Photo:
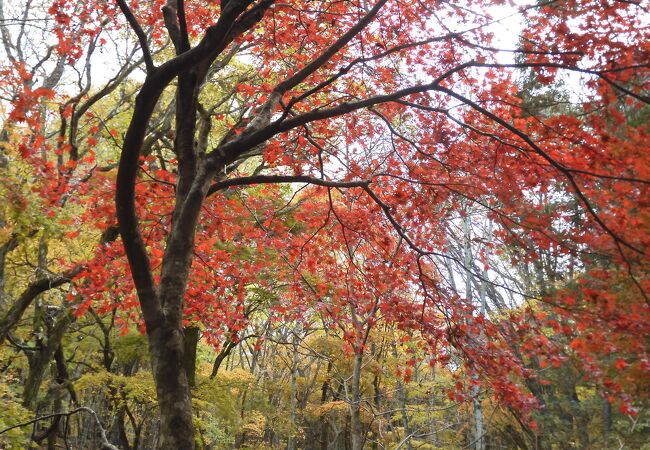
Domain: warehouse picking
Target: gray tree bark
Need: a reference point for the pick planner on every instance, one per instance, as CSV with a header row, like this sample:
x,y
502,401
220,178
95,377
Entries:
x,y
357,433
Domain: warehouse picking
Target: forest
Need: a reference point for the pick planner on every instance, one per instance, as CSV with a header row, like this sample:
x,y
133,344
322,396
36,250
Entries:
x,y
325,224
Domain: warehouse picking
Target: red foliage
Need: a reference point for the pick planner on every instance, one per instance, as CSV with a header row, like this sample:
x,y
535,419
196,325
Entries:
x,y
572,184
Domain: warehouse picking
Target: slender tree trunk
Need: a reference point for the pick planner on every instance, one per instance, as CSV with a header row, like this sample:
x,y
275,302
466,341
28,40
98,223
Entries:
x,y
223,354
356,427
478,420
5,248
346,434
377,400
61,379
324,425
291,442
401,395
432,405
479,432
121,429
607,420
53,436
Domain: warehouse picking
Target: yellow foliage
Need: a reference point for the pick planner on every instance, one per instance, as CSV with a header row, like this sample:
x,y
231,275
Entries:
x,y
13,413
329,408
254,425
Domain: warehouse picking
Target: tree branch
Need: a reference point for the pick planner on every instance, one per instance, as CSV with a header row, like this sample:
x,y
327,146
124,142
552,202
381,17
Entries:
x,y
272,179
106,445
341,42
29,294
142,38
557,165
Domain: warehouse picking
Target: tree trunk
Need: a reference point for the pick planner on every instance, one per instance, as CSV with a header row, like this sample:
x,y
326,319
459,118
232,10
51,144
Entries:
x,y
356,427
478,423
376,400
174,400
223,354
291,442
432,405
401,396
607,420
479,432
5,248
53,435
40,358
122,437
324,425
192,335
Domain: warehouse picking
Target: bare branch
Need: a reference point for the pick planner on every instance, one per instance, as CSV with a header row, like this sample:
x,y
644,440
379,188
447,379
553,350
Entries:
x,y
106,445
274,179
142,38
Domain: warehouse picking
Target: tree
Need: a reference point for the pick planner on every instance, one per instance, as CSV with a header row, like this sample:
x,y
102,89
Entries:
x,y
395,114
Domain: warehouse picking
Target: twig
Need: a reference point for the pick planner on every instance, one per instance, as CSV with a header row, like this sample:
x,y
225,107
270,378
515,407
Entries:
x,y
106,445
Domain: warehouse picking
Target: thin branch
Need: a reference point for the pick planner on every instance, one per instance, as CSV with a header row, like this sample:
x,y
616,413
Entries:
x,y
106,445
341,42
142,38
560,167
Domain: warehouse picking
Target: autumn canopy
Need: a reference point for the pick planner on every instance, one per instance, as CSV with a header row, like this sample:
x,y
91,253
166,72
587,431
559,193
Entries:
x,y
421,204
